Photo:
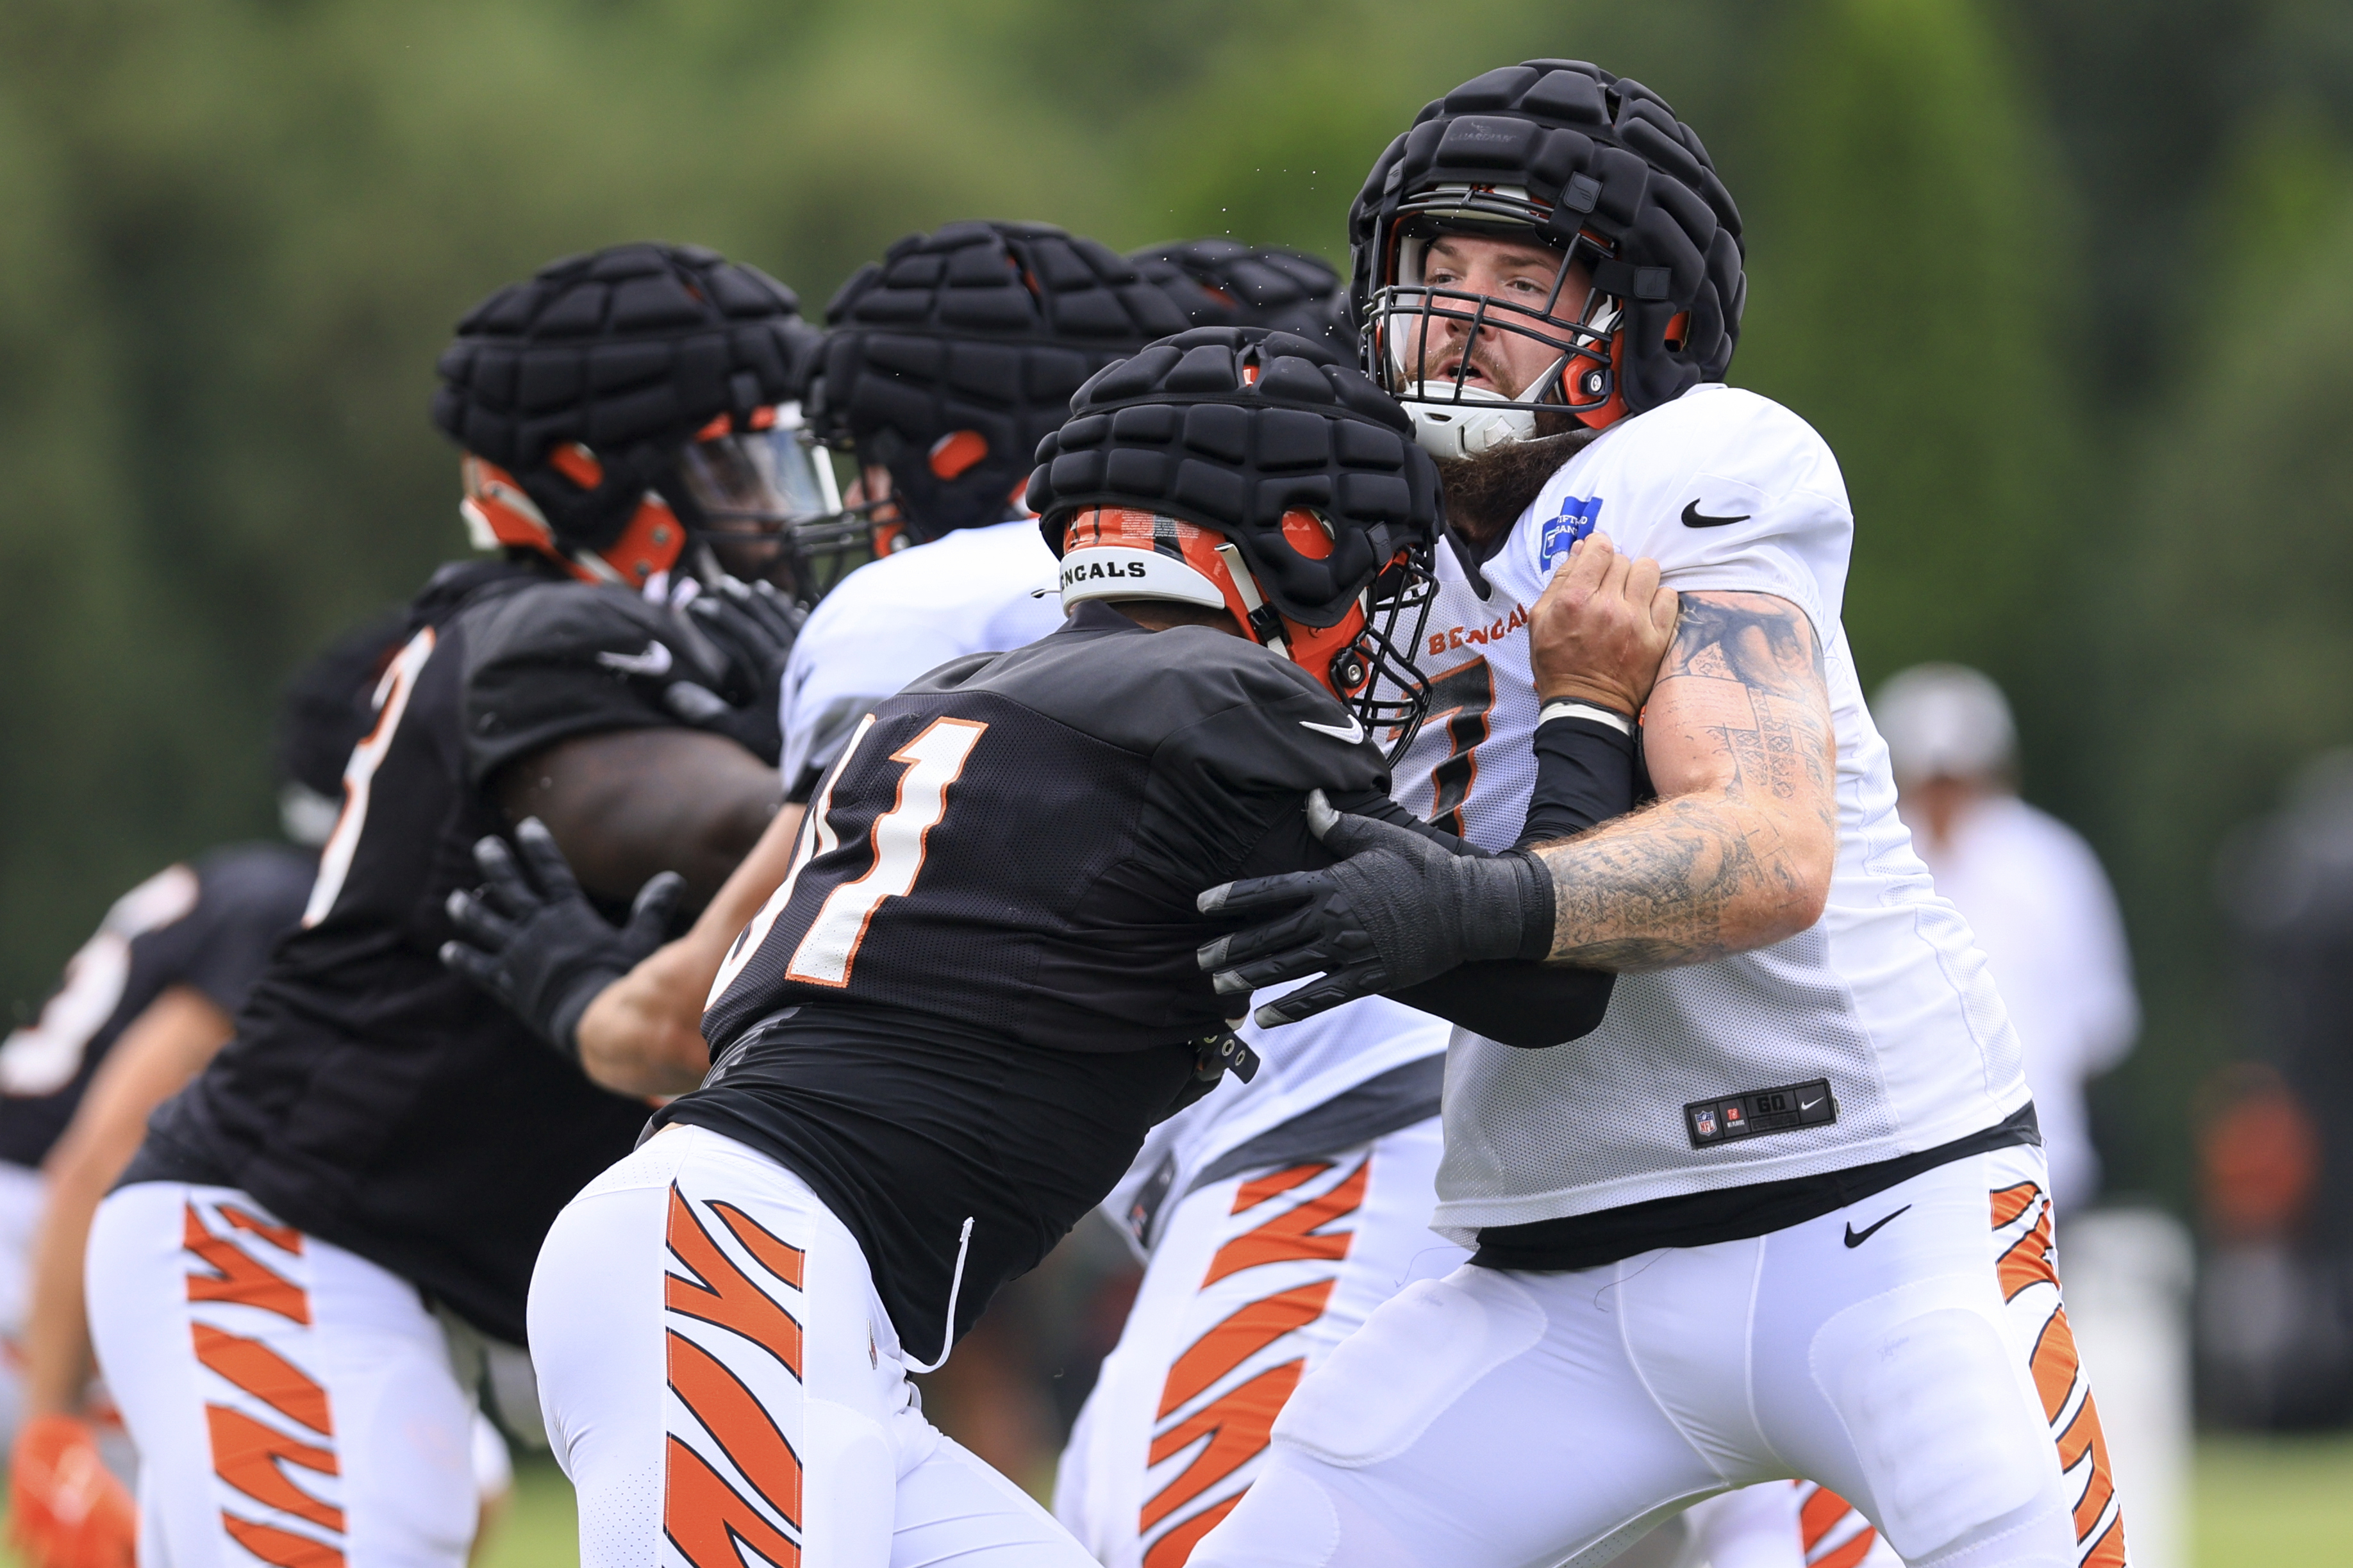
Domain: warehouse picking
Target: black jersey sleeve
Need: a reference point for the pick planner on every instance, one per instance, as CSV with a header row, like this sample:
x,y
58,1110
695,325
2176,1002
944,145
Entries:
x,y
249,897
1584,775
559,659
1251,765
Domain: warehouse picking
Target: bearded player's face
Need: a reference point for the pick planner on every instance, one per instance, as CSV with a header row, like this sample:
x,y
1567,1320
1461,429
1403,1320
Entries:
x,y
1512,273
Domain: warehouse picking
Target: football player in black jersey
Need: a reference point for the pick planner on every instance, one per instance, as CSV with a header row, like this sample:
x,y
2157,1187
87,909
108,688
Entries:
x,y
945,1036
144,1004
353,1189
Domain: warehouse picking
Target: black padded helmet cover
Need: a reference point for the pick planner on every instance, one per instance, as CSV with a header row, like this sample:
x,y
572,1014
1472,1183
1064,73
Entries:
x,y
1607,155
629,352
1238,285
1181,430
979,326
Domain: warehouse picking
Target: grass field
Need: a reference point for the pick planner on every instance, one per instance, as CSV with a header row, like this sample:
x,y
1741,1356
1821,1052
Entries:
x,y
2261,1503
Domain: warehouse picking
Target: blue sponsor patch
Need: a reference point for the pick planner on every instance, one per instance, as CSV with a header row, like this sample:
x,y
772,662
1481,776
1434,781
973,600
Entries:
x,y
1576,520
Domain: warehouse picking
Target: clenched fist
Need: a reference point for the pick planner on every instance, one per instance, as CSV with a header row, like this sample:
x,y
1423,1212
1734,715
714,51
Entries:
x,y
1601,628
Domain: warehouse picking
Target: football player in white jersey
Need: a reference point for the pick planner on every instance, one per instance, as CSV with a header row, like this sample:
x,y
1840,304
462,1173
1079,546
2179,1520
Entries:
x,y
1785,1212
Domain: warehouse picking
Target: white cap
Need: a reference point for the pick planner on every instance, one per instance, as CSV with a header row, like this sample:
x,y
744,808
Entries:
x,y
1944,720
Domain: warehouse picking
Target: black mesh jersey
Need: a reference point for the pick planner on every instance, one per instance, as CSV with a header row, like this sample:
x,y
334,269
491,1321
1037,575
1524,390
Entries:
x,y
372,1097
1015,842
208,924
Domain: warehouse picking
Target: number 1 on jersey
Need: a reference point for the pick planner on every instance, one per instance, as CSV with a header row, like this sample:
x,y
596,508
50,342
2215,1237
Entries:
x,y
935,760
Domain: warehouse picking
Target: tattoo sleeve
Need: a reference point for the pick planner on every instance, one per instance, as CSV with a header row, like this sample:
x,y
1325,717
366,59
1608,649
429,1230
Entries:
x,y
1737,851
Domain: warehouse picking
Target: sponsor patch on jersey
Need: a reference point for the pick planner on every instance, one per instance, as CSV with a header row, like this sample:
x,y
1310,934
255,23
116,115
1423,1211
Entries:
x,y
1730,1120
1576,520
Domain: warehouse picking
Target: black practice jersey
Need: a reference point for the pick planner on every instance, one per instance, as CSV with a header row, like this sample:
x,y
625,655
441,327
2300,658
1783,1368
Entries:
x,y
372,1097
978,989
208,924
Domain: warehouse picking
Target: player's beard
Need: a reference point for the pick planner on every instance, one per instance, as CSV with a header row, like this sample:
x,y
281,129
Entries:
x,y
1485,494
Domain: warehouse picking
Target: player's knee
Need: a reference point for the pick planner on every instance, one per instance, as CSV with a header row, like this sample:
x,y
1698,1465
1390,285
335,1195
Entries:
x,y
2039,1535
1418,1352
1951,1444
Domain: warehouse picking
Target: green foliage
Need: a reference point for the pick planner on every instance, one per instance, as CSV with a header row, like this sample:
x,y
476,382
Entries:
x,y
1909,276
2231,636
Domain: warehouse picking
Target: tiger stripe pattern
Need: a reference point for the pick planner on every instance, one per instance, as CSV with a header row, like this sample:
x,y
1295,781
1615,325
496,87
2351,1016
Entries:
x,y
268,1421
732,1471
2030,1286
1224,1390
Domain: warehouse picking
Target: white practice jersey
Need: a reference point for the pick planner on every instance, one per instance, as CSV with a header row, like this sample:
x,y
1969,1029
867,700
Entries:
x,y
974,590
1885,1000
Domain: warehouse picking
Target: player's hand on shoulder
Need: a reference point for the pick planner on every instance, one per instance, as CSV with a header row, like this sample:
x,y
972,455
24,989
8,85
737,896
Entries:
x,y
1601,628
1399,908
754,626
531,938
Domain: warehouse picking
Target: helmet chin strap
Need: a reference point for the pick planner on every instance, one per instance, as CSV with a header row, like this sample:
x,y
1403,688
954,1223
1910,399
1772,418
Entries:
x,y
1263,624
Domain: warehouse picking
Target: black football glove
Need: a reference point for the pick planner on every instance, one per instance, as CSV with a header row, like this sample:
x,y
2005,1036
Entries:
x,y
754,626
533,941
1397,910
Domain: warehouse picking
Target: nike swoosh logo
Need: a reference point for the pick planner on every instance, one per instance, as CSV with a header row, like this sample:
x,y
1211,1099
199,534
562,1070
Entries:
x,y
1807,1104
1694,518
655,661
1856,1238
1353,733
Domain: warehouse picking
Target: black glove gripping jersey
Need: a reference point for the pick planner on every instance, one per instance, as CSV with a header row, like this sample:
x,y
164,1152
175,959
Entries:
x,y
373,1097
977,990
208,925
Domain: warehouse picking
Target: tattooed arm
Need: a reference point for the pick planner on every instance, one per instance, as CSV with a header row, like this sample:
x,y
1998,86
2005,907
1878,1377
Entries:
x,y
1737,852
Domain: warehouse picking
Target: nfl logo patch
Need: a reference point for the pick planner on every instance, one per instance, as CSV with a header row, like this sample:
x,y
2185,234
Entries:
x,y
1705,1122
1576,520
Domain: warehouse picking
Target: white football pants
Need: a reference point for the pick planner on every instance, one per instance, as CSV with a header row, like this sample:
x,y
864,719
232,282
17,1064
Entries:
x,y
291,1401
720,1381
1254,1281
1909,1352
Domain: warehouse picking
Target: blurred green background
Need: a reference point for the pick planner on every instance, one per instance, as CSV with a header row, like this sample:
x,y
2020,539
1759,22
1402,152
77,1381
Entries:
x,y
2067,284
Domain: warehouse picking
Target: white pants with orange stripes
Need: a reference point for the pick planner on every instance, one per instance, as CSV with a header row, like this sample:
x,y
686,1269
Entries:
x,y
1924,1370
722,1385
1254,1280
292,1404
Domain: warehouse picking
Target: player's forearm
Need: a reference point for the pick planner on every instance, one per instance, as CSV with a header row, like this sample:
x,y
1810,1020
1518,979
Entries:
x,y
643,1034
163,1049
56,1329
1686,880
626,804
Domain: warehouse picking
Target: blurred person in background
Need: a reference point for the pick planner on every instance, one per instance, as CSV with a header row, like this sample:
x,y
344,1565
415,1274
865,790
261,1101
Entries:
x,y
143,1005
2033,894
2042,908
2275,1166
319,1255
